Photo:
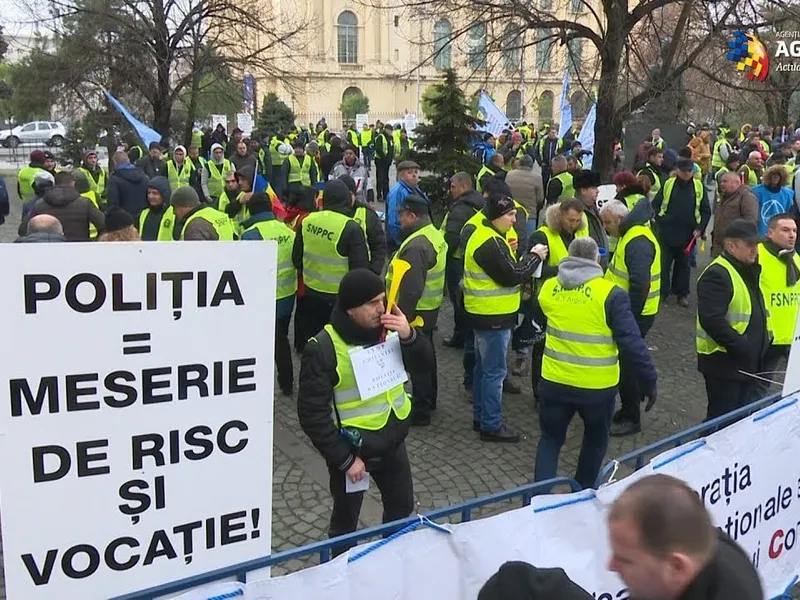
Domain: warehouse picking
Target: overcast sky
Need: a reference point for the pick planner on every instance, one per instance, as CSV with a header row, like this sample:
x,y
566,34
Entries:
x,y
14,18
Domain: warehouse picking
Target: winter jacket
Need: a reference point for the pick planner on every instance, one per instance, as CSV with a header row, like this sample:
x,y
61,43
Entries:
x,y
40,237
318,378
701,150
376,238
360,175
73,210
397,194
152,223
421,255
744,351
527,189
676,227
771,202
240,162
127,189
596,230
499,263
152,167
199,230
550,148
461,211
329,159
639,256
741,204
574,272
352,244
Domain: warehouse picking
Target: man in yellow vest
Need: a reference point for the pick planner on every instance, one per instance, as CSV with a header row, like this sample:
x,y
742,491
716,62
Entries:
x,y
299,170
180,171
653,171
636,268
732,339
489,171
421,293
752,170
384,152
157,222
95,174
329,244
723,148
492,280
359,437
26,175
589,324
560,187
199,221
682,214
779,282
367,144
212,178
262,225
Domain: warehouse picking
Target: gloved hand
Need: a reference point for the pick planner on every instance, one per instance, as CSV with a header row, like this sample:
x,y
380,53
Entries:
x,y
651,398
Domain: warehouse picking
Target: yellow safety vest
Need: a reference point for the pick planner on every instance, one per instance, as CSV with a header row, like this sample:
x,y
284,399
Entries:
x,y
698,197
284,236
25,179
179,179
323,266
482,295
165,227
739,309
780,299
352,138
484,170
370,414
241,216
579,347
618,271
321,136
275,156
716,159
99,186
751,175
366,137
433,293
632,200
216,176
557,249
475,221
219,221
656,186
567,186
92,197
300,173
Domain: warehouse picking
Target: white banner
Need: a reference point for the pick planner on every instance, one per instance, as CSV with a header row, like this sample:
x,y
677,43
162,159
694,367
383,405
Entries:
x,y
244,121
362,121
136,424
219,120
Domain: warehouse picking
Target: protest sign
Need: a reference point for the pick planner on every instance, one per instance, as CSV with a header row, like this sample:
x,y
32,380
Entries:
x,y
136,423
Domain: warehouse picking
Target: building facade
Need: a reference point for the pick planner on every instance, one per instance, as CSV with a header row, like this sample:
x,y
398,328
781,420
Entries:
x,y
377,51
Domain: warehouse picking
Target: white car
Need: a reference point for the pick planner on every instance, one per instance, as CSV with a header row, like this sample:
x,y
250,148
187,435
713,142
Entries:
x,y
51,133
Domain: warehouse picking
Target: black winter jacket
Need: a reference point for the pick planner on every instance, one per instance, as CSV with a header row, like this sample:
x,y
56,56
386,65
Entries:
x,y
73,210
462,210
745,352
127,189
421,255
639,256
315,395
676,226
376,239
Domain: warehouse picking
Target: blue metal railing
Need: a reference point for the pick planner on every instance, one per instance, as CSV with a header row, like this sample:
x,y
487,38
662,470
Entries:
x,y
638,458
323,548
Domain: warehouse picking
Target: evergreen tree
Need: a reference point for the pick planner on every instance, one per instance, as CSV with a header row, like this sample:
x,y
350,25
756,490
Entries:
x,y
444,143
352,105
275,115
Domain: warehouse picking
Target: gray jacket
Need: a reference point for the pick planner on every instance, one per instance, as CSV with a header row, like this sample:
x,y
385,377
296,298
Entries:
x,y
360,175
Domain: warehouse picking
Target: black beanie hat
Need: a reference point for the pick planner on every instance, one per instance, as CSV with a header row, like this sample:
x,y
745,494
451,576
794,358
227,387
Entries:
x,y
335,194
359,287
117,219
498,205
521,581
259,202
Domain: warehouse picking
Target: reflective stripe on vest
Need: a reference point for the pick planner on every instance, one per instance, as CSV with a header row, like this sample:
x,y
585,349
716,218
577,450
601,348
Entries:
x,y
165,227
219,221
433,291
216,176
579,348
567,186
698,197
99,186
372,413
323,266
618,270
179,179
284,236
484,170
780,299
556,248
483,295
300,173
738,312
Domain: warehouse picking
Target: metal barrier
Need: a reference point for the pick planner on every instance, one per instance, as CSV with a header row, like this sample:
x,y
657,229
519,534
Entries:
x,y
638,457
323,548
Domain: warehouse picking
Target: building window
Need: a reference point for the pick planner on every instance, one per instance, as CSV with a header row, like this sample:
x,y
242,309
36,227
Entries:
x,y
546,108
576,6
347,36
546,4
580,104
574,55
514,105
512,48
544,52
442,32
477,46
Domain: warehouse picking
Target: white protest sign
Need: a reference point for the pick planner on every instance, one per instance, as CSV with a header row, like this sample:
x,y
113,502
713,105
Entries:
x,y
378,368
244,121
362,120
410,123
219,120
135,422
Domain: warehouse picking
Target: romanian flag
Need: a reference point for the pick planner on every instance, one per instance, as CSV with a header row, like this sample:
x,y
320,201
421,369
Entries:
x,y
260,184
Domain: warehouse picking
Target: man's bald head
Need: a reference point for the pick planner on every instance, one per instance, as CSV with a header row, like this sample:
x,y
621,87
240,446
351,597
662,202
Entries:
x,y
462,178
497,159
45,224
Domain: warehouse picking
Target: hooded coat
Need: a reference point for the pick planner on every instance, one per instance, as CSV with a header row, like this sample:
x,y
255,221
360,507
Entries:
x,y
73,210
461,211
127,189
152,223
640,255
741,204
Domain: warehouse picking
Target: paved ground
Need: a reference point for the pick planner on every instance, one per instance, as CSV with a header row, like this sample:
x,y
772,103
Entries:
x,y
449,462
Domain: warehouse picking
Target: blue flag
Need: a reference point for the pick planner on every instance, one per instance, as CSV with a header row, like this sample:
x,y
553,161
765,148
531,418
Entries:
x,y
495,118
565,124
586,136
145,133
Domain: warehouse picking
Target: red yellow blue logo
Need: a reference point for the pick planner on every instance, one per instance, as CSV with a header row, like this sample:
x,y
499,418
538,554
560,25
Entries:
x,y
749,54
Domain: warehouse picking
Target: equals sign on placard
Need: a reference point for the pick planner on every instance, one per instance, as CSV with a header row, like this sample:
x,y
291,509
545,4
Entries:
x,y
136,343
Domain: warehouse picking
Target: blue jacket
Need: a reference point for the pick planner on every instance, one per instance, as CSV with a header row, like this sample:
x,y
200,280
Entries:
x,y
285,306
396,196
771,203
127,189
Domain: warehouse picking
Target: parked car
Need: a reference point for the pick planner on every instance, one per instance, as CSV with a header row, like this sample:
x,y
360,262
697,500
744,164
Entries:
x,y
51,133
